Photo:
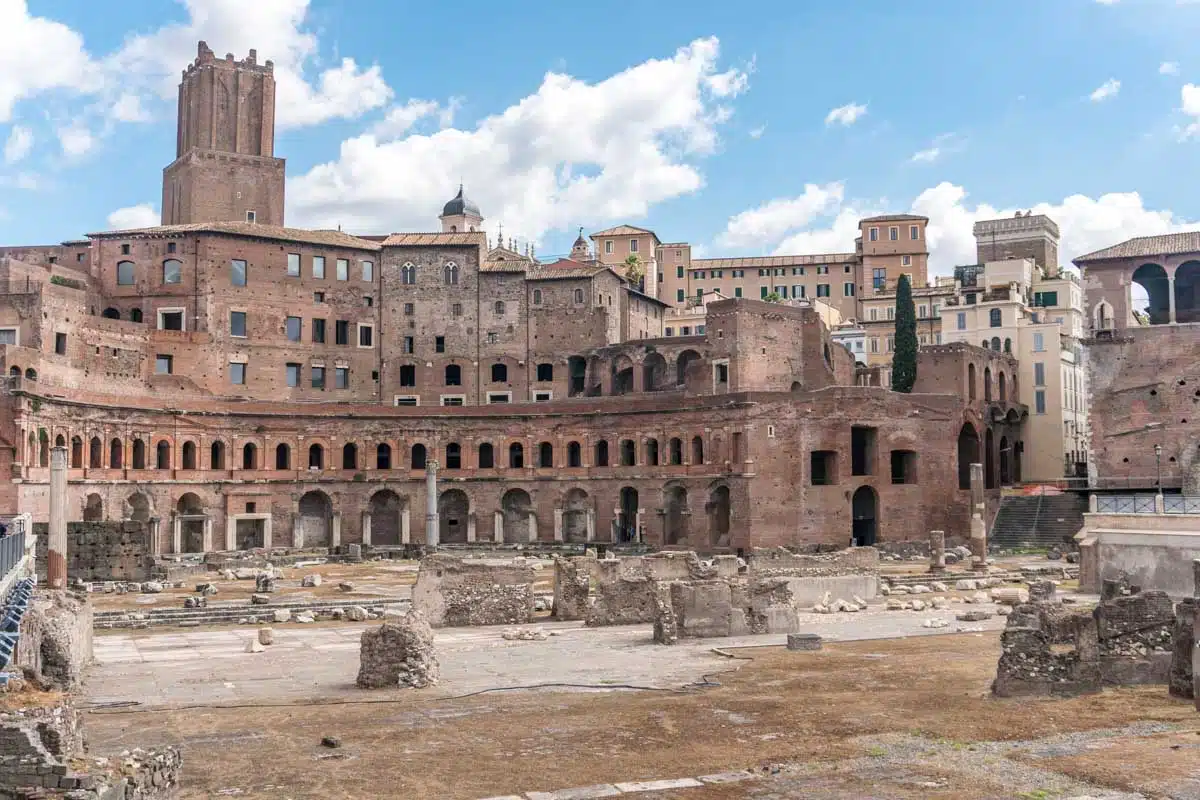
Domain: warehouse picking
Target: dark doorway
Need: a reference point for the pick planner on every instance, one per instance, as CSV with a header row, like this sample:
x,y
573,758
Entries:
x,y
864,508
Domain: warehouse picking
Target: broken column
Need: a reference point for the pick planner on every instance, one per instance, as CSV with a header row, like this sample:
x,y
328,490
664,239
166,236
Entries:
x,y
398,653
432,523
978,542
56,560
937,551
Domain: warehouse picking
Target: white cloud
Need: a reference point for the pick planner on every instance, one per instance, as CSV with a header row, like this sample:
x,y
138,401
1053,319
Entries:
x,y
39,55
1168,68
20,142
942,145
1085,223
142,215
756,133
401,119
571,152
927,156
773,219
128,108
1105,90
845,115
75,140
1108,2
1189,97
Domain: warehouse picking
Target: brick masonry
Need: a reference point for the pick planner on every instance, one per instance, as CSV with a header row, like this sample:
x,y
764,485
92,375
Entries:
x,y
103,551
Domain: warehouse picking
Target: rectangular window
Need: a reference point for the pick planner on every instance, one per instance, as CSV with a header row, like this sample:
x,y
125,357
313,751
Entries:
x,y
873,234
961,320
495,398
125,273
318,331
633,245
341,378
879,278
542,397
891,343
762,292
172,271
439,344
237,374
8,336
237,272
722,373
292,327
368,270
366,335
893,234
408,344
293,265
848,289
679,271
318,266
669,331
737,292
318,377
341,332
921,312
456,309
1039,401
822,290
251,216
343,269
914,232
408,375
1045,299
608,246
873,314
170,319
409,308
170,249
163,364
680,295
874,344
237,323
891,312
407,400
293,375
318,297
60,344
1039,343
906,261
1039,373
699,275
452,399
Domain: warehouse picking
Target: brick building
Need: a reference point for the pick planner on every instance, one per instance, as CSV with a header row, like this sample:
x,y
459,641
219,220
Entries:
x,y
246,384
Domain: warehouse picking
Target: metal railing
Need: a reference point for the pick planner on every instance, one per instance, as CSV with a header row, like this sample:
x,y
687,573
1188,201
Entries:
x,y
12,550
1147,504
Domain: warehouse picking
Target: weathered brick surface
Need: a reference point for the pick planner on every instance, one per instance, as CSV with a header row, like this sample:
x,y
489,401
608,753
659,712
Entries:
x,y
102,551
1184,636
455,592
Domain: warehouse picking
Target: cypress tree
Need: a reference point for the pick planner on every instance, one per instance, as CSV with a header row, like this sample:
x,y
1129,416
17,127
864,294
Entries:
x,y
904,362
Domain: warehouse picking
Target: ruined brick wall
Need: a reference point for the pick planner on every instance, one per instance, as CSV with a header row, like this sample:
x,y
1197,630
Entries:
x,y
56,639
102,551
779,561
1145,390
453,592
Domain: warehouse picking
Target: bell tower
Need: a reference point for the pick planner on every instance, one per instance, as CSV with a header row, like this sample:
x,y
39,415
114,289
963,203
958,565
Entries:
x,y
225,168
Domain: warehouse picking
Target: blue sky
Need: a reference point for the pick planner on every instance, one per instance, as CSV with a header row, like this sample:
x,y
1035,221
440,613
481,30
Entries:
x,y
706,121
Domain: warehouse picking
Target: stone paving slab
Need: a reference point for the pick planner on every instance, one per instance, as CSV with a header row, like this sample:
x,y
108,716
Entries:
x,y
658,786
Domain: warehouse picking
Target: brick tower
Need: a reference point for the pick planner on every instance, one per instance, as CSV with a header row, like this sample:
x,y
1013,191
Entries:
x,y
225,168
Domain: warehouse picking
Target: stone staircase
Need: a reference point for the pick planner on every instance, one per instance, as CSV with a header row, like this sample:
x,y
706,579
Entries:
x,y
1048,520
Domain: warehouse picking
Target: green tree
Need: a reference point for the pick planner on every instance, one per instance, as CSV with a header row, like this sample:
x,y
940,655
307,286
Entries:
x,y
773,297
904,362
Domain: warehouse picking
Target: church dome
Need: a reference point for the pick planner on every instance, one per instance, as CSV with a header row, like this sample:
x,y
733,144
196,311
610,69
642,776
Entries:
x,y
460,206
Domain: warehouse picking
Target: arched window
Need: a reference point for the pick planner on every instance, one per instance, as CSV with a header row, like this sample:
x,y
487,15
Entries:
x,y
189,455
249,456
996,343
30,374
316,457
162,455
172,271
676,452
499,307
545,373
1008,346
408,274
283,456
601,453
417,459
574,455
994,318
216,455
450,274
984,345
487,456
1003,385
115,452
125,273
14,371
135,315
628,453
499,373
95,453
453,375
453,456
383,456
970,381
987,384
579,297
697,450
537,297
139,454
652,452
111,313
350,456
545,455
76,453
516,456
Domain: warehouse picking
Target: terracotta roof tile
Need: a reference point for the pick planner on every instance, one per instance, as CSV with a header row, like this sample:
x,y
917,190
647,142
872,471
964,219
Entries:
x,y
757,262
623,230
248,229
1147,246
436,239
895,218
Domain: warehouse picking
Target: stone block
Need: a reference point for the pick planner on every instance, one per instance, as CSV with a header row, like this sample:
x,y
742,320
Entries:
x,y
399,653
803,641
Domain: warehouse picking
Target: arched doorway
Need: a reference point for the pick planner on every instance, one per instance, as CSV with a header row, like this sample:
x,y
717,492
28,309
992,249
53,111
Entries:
x,y
675,515
191,523
1187,292
1005,462
386,510
316,514
516,512
576,376
627,516
575,516
864,507
139,507
622,375
717,510
968,454
654,373
685,360
453,508
1152,279
93,509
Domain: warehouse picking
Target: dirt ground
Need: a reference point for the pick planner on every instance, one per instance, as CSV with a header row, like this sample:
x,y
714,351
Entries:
x,y
887,718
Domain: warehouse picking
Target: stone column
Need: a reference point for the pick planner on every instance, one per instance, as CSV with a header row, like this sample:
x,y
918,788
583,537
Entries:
x,y
405,531
231,533
558,524
470,526
533,531
978,542
335,529
1171,299
176,533
937,551
207,538
432,523
497,526
56,564
366,527
267,543
637,530
1093,504
591,524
